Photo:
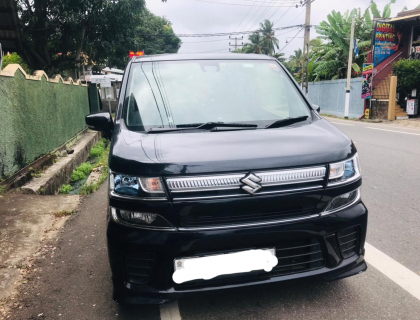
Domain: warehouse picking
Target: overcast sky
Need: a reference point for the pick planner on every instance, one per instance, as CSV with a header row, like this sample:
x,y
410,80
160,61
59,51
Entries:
x,y
197,16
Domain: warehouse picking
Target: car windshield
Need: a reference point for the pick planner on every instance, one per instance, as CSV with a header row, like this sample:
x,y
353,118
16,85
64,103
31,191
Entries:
x,y
171,94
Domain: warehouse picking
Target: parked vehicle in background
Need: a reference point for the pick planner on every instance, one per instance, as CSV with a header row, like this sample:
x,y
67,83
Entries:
x,y
224,175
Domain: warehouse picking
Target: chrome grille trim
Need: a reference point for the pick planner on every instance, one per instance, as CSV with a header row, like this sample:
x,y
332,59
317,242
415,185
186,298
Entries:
x,y
226,182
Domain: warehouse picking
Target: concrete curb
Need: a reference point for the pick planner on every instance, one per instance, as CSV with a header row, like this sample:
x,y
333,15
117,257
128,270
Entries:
x,y
60,172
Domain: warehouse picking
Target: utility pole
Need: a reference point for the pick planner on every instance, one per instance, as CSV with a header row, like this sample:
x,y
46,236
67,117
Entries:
x,y
305,67
236,45
348,88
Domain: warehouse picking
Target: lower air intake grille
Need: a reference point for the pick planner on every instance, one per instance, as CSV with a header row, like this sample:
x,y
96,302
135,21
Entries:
x,y
293,257
139,267
348,240
301,257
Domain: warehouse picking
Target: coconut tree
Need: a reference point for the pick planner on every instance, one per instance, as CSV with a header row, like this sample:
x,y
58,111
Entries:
x,y
269,40
255,45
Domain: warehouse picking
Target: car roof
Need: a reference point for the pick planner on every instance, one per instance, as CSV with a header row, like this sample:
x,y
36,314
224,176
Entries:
x,y
201,56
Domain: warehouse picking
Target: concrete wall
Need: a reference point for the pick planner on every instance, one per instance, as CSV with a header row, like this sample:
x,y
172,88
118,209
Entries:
x,y
331,97
37,115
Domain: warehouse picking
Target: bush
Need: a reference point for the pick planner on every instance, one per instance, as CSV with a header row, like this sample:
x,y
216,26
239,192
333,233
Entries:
x,y
86,168
77,175
98,149
408,73
66,188
15,58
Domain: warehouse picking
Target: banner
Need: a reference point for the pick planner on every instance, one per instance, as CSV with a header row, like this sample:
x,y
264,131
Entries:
x,y
386,41
367,81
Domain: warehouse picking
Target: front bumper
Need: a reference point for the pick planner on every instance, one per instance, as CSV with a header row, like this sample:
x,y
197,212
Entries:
x,y
165,246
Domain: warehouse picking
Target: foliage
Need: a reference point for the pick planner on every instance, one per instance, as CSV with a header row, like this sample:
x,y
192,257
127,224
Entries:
x,y
66,188
263,41
86,168
168,42
269,41
77,175
3,189
81,172
60,35
97,150
331,58
408,73
14,58
386,13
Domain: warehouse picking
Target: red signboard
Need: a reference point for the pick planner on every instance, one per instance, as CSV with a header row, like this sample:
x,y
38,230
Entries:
x,y
136,54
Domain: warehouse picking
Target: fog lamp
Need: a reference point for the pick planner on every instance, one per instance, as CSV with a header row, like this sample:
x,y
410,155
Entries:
x,y
142,218
341,202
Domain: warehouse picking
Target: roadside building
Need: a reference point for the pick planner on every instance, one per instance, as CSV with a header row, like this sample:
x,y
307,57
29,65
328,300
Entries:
x,y
393,39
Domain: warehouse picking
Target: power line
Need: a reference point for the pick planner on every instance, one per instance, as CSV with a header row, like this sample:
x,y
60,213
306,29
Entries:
x,y
291,40
234,4
245,16
204,51
220,34
264,12
205,41
253,16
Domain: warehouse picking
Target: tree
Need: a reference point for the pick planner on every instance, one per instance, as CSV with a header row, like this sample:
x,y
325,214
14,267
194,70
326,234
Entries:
x,y
262,41
386,13
269,40
330,59
61,34
165,42
255,45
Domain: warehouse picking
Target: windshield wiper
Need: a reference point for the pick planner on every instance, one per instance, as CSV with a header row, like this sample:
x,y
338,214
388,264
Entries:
x,y
286,122
211,126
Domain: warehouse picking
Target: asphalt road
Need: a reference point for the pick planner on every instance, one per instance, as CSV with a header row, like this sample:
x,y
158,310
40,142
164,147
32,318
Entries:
x,y
75,281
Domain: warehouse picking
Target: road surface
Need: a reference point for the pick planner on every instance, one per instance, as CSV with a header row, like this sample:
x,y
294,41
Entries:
x,y
75,282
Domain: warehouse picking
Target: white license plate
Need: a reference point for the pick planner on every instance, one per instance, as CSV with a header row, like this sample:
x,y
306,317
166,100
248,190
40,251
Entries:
x,y
209,267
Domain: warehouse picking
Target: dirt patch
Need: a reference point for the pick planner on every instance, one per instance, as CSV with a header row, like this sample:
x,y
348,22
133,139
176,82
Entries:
x,y
27,223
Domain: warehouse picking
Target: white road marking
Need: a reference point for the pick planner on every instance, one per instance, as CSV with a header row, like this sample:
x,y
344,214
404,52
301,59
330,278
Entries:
x,y
414,134
170,311
395,271
344,124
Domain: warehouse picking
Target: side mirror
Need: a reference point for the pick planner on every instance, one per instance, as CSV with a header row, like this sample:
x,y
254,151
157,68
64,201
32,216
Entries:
x,y
316,108
101,121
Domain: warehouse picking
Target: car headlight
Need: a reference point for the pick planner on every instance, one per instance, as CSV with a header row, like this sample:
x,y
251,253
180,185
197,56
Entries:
x,y
345,171
144,219
341,202
124,185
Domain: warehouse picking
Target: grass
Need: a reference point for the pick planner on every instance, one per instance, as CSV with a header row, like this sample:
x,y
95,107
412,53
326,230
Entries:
x,y
64,213
3,189
98,149
66,188
92,187
98,158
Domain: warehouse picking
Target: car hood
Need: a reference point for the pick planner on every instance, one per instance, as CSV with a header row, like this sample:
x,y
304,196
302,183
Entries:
x,y
136,153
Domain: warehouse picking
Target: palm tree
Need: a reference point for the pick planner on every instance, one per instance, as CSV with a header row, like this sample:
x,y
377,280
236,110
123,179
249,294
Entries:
x,y
270,42
280,57
255,45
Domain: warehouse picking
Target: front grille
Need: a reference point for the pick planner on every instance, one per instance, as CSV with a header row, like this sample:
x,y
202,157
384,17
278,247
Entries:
x,y
293,257
231,185
232,218
139,267
348,240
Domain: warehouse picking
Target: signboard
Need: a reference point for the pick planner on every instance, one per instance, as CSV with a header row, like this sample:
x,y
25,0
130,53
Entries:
x,y
104,82
136,54
386,41
367,80
412,107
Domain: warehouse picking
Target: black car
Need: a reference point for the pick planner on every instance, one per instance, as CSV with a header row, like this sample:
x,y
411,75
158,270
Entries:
x,y
222,174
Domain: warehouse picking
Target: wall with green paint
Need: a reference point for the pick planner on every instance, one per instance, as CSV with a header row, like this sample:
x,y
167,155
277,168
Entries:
x,y
37,115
